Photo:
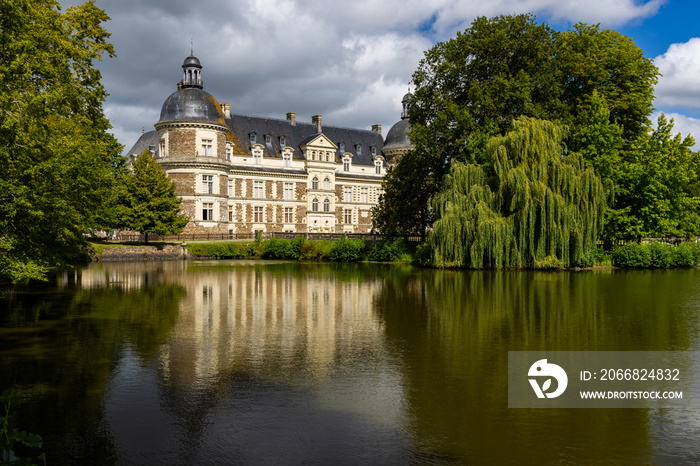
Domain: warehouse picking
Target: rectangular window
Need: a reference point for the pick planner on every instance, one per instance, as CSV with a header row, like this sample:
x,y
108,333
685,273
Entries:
x,y
288,215
289,191
208,184
258,189
230,188
378,168
257,158
258,214
363,195
346,165
206,147
230,213
207,211
347,194
347,216
287,160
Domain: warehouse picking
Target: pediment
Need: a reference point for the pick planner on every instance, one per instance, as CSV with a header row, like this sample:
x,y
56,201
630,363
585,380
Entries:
x,y
318,141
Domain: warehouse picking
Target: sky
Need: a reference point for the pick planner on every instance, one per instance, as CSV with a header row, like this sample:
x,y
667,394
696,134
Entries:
x,y
351,61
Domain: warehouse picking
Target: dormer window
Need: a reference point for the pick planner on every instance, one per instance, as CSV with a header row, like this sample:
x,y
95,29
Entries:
x,y
283,141
358,150
341,147
253,139
373,149
287,158
268,140
346,164
378,166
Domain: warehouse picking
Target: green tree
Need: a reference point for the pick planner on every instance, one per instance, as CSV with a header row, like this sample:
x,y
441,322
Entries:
x,y
589,60
653,187
472,87
57,159
528,204
145,200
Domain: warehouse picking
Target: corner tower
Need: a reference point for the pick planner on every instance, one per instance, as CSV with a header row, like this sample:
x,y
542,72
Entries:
x,y
192,150
397,142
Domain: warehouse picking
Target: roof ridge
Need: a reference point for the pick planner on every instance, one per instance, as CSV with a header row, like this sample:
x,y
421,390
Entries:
x,y
284,120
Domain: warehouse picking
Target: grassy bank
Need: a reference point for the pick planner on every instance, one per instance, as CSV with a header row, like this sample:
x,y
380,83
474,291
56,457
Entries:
x,y
342,250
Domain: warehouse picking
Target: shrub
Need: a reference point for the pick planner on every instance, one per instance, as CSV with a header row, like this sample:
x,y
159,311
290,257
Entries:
x,y
631,255
660,255
684,255
347,250
390,251
235,250
314,250
278,249
296,245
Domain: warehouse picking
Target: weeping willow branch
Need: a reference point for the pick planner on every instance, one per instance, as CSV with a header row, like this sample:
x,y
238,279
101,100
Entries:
x,y
530,202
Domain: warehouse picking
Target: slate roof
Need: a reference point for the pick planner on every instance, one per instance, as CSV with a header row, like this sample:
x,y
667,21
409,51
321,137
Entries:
x,y
242,125
295,135
147,139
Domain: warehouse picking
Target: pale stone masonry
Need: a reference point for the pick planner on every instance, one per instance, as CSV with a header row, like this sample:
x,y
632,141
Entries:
x,y
242,174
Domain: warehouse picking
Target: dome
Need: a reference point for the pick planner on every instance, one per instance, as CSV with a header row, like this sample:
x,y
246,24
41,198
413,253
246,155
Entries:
x,y
191,61
406,97
397,138
191,105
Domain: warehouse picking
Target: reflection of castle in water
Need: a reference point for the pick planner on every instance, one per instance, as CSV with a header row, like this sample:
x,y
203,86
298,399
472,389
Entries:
x,y
266,321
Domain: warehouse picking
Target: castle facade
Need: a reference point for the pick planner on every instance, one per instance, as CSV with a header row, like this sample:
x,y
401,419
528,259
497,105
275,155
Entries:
x,y
242,174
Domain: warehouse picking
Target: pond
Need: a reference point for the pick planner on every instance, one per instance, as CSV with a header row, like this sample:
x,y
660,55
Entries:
x,y
257,362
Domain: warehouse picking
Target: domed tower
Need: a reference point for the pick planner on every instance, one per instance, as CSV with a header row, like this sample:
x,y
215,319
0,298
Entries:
x,y
397,142
192,149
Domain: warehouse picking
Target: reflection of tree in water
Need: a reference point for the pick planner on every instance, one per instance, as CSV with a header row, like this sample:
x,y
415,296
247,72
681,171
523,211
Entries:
x,y
61,348
457,327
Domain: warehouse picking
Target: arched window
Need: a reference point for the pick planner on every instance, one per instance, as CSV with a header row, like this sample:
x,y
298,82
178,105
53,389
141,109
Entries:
x,y
314,205
326,205
326,184
314,183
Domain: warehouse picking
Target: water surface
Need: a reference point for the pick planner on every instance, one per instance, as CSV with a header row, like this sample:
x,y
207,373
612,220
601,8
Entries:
x,y
294,363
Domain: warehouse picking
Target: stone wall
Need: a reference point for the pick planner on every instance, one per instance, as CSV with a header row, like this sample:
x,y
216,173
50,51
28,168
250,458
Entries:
x,y
140,253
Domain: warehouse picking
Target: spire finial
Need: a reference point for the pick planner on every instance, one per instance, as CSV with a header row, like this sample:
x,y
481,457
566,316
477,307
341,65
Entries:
x,y
191,46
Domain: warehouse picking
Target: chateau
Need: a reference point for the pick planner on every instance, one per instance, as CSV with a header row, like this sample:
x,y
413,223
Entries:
x,y
242,174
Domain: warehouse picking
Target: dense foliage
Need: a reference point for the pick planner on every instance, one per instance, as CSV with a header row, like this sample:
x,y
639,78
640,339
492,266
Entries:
x,y
656,255
528,205
145,200
57,159
595,82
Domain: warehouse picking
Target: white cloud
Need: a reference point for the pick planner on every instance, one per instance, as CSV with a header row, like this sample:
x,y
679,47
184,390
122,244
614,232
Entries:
x,y
679,86
350,60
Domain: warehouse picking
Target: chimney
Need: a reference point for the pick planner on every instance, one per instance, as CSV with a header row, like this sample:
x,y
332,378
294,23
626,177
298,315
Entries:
x,y
316,119
292,118
377,129
226,108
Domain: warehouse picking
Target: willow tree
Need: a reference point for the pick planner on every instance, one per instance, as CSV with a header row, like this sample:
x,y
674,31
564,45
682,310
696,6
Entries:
x,y
529,201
